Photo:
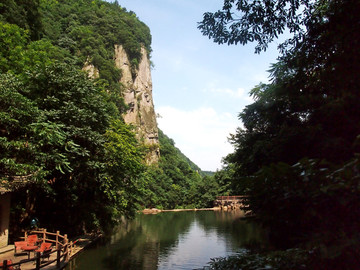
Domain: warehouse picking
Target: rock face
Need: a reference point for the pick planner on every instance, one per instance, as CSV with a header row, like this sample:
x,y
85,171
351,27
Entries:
x,y
138,96
92,71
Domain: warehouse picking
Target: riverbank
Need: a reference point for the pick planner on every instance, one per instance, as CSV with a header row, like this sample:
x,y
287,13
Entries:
x,y
155,210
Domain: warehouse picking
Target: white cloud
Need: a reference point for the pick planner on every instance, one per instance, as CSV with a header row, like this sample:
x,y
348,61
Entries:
x,y
201,134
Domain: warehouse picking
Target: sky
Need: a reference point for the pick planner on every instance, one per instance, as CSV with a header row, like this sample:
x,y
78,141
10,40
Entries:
x,y
199,87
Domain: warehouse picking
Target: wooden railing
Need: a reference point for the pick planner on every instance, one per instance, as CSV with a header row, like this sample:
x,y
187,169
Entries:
x,y
230,198
63,250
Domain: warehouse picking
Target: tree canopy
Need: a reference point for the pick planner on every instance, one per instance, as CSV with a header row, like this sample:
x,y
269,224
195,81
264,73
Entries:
x,y
262,21
23,13
309,109
296,154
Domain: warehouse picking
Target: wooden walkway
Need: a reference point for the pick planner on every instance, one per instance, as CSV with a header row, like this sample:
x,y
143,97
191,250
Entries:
x,y
23,257
230,202
7,253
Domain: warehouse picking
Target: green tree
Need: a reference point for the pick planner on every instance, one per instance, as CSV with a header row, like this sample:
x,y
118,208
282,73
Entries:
x,y
67,100
307,116
124,167
85,168
18,53
315,205
261,21
14,40
23,13
310,108
17,143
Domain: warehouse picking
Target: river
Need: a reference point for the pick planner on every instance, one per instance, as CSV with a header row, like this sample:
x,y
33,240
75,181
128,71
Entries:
x,y
171,240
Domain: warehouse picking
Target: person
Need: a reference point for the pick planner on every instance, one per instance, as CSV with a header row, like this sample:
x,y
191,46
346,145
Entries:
x,y
34,223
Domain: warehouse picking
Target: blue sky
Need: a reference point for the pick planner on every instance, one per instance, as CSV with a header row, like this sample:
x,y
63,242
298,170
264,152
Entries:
x,y
199,87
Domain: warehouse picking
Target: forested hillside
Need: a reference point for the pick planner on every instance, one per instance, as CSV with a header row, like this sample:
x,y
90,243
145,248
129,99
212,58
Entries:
x,y
65,151
177,182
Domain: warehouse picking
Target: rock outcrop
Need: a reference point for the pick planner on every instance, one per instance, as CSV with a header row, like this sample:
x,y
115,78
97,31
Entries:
x,y
138,96
92,71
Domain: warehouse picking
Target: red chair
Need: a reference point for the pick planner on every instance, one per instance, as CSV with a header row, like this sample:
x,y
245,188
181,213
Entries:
x,y
31,240
45,249
18,247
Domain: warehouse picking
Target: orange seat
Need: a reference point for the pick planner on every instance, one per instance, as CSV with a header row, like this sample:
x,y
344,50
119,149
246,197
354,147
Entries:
x,y
32,239
45,249
19,245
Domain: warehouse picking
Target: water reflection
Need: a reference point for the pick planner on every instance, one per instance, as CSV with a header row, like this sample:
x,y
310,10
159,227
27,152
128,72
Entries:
x,y
173,240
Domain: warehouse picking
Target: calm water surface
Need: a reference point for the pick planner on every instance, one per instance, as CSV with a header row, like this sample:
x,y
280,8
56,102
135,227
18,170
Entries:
x,y
172,240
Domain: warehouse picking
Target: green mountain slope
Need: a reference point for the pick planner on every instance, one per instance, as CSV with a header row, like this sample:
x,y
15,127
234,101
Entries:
x,y
65,152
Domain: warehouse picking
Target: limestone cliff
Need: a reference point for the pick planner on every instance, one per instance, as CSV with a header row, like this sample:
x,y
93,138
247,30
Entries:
x,y
138,96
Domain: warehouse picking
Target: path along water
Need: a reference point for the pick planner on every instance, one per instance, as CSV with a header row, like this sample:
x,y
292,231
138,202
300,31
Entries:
x,y
172,240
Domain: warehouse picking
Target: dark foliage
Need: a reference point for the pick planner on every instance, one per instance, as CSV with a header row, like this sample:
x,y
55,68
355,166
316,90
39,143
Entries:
x,y
308,116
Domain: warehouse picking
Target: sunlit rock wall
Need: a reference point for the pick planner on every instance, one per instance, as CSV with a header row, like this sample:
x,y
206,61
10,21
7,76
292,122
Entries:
x,y
138,95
